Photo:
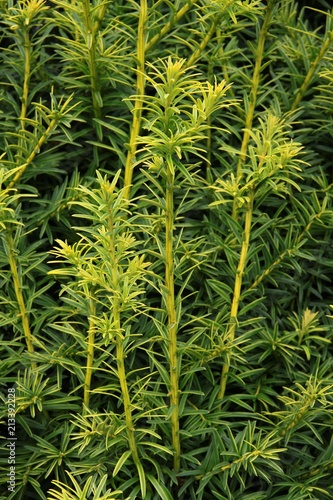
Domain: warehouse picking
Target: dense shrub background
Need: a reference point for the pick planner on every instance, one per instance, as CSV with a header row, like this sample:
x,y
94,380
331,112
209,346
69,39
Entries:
x,y
166,248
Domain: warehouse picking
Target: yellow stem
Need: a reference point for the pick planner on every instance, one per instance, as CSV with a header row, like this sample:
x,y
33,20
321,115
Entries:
x,y
208,36
174,19
25,91
123,383
90,355
32,155
270,268
198,52
91,30
120,354
253,96
171,312
319,470
254,89
237,289
12,259
298,415
246,457
287,253
313,68
76,30
306,83
20,299
140,90
209,177
224,69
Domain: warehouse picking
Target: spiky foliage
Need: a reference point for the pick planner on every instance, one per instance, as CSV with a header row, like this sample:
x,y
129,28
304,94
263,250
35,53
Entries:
x,y
165,246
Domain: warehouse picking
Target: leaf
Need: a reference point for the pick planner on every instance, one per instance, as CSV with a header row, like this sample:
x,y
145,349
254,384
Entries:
x,y
160,488
142,478
121,462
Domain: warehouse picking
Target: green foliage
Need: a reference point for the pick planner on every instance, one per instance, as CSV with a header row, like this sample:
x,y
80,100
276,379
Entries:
x,y
166,249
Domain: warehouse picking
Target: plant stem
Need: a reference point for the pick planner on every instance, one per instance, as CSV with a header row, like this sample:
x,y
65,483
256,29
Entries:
x,y
123,383
139,95
174,19
142,49
237,289
119,341
11,253
171,312
253,97
25,90
288,252
249,456
209,176
32,155
91,30
90,355
224,68
313,68
315,472
20,299
197,53
208,36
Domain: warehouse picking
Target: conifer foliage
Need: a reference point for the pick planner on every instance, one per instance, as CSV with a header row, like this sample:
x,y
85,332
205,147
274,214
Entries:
x,y
166,249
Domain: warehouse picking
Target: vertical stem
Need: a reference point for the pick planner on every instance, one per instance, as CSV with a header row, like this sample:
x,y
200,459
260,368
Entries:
x,y
123,383
77,35
237,289
171,312
90,355
91,30
209,176
120,354
20,299
253,96
25,93
224,68
11,253
140,90
25,90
